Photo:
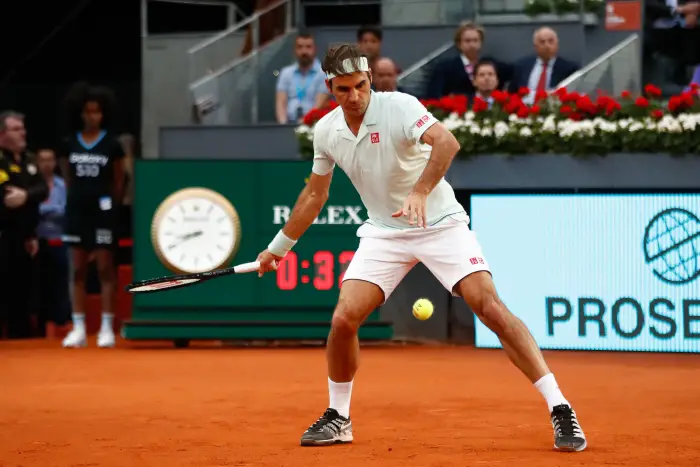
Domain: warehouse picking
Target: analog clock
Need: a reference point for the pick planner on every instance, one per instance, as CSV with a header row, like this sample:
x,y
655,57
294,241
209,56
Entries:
x,y
195,230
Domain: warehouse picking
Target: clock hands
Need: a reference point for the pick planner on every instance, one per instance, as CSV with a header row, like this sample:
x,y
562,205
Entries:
x,y
184,238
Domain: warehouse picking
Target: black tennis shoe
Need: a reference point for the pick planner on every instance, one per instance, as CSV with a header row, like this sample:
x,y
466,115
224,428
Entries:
x,y
568,435
331,428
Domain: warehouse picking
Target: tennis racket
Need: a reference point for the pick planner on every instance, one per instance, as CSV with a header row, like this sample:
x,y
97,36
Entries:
x,y
183,280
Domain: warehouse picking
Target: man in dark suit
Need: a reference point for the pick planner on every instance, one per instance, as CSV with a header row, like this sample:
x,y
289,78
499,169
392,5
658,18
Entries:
x,y
455,75
543,71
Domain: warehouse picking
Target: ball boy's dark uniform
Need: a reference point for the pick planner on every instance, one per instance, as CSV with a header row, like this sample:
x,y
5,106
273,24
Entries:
x,y
91,204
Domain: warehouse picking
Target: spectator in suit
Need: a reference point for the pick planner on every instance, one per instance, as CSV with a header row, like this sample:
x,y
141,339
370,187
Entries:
x,y
455,75
485,80
301,86
369,39
543,71
55,305
385,75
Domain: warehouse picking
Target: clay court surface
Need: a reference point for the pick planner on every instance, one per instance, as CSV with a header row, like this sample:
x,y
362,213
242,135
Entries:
x,y
417,406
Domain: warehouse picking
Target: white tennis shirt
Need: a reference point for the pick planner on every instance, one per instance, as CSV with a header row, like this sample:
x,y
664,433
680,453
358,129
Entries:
x,y
386,158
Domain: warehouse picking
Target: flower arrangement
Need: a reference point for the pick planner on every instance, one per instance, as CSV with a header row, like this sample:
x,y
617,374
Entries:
x,y
560,122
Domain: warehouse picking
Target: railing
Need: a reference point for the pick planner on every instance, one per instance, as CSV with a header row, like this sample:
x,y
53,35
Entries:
x,y
199,56
414,79
230,7
619,69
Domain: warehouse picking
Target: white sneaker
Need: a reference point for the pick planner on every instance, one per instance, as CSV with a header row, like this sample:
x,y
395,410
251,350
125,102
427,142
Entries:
x,y
76,338
105,338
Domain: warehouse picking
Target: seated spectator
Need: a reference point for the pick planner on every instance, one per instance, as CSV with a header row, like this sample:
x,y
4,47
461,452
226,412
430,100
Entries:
x,y
301,86
455,75
369,39
543,71
385,75
485,81
54,296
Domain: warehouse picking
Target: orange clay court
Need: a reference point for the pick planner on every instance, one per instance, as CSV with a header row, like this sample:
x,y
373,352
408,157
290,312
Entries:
x,y
417,406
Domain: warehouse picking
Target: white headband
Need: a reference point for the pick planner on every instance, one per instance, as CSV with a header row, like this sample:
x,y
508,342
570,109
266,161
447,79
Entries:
x,y
348,66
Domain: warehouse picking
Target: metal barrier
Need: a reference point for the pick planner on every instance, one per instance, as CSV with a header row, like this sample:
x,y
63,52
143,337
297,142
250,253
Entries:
x,y
619,69
415,78
199,56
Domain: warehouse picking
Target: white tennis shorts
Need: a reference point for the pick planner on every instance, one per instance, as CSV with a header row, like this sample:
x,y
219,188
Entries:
x,y
449,249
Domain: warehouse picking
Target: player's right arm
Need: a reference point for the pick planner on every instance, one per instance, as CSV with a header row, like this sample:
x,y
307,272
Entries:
x,y
307,208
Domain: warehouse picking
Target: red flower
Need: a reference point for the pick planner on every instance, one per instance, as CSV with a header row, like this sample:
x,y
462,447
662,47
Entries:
x,y
576,116
523,112
584,104
565,109
541,95
657,114
626,95
694,86
642,102
561,93
687,98
535,110
480,105
652,91
500,97
523,91
675,103
571,97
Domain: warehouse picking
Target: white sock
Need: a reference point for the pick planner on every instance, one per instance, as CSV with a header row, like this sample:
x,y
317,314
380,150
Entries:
x,y
79,321
340,397
549,389
107,319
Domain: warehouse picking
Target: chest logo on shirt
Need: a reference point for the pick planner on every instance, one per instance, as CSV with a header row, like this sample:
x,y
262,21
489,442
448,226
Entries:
x,y
374,137
3,177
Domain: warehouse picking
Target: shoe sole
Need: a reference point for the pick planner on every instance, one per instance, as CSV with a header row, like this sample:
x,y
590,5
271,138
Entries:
x,y
568,449
347,439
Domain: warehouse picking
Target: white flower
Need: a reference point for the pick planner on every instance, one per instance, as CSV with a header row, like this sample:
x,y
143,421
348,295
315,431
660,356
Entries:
x,y
669,124
501,129
635,127
550,124
475,129
303,130
486,132
625,122
525,132
469,115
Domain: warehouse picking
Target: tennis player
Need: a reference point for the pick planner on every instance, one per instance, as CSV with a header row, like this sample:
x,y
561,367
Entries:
x,y
377,140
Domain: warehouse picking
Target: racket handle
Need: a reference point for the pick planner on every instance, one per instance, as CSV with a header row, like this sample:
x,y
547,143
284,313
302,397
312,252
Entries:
x,y
247,267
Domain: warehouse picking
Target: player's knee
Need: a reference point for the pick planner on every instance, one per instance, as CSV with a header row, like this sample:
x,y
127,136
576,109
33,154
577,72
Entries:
x,y
494,314
344,323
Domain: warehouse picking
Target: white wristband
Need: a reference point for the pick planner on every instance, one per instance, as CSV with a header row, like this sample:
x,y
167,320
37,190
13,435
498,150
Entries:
x,y
281,244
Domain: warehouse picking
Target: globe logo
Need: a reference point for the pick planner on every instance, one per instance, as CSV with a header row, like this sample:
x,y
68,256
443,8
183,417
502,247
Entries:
x,y
672,246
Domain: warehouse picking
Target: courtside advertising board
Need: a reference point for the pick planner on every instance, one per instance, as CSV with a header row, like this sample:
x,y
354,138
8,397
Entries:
x,y
595,271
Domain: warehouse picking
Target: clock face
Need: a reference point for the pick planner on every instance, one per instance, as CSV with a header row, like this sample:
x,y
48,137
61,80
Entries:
x,y
196,231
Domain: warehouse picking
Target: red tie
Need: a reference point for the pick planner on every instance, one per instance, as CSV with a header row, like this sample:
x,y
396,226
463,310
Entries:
x,y
542,83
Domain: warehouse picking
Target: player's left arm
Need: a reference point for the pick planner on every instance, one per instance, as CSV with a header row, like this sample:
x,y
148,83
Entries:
x,y
420,125
445,148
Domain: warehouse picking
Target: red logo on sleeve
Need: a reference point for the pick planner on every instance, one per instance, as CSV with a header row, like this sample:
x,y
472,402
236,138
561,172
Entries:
x,y
423,120
476,260
374,137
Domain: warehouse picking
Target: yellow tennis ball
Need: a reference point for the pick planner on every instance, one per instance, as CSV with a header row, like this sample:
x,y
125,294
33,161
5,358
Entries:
x,y
422,309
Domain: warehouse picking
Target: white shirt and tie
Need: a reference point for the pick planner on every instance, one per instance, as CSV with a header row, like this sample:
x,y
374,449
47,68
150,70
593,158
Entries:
x,y
535,77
